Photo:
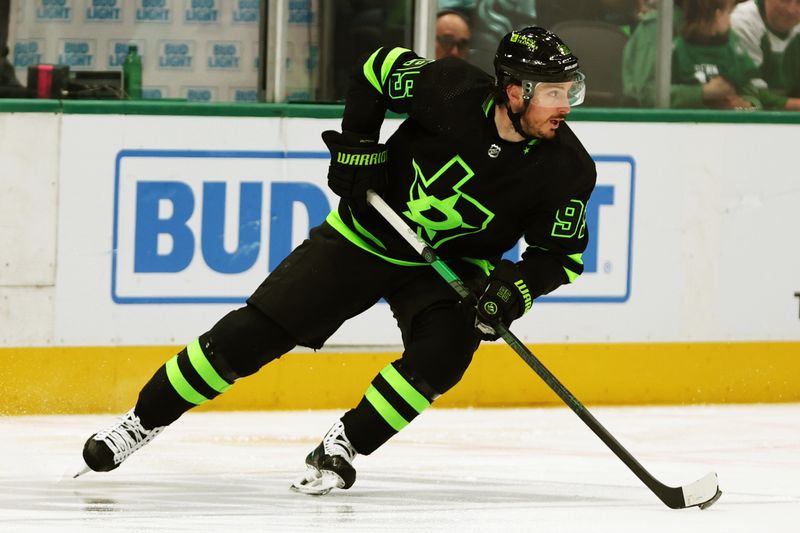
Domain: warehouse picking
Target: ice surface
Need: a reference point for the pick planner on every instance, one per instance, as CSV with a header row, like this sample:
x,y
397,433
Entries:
x,y
451,470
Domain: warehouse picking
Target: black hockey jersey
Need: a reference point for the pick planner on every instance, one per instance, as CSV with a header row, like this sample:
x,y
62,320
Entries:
x,y
467,192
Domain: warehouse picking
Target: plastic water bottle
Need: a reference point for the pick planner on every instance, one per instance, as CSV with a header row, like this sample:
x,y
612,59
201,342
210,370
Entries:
x,y
132,73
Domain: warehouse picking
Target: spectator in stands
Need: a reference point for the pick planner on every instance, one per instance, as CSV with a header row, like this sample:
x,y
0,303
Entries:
x,y
452,34
769,30
707,48
8,77
791,70
639,70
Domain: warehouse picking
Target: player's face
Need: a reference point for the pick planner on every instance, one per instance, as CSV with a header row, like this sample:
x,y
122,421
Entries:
x,y
548,108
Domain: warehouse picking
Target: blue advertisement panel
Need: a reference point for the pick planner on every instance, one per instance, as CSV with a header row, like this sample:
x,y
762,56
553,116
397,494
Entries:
x,y
207,226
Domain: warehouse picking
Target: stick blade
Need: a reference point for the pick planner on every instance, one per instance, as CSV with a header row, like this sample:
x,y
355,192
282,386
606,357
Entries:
x,y
703,492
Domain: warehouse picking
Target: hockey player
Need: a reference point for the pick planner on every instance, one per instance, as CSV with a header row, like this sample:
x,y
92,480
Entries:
x,y
478,164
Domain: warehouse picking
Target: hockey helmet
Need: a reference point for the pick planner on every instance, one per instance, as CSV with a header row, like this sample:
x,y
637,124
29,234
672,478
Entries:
x,y
534,55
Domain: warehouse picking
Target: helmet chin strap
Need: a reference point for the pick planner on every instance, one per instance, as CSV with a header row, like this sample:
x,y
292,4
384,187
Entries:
x,y
515,117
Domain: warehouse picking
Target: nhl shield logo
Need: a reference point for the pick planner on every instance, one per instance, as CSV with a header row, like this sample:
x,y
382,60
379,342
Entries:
x,y
494,151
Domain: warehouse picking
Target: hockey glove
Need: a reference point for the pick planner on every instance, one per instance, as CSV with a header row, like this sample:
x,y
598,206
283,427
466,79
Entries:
x,y
358,163
505,299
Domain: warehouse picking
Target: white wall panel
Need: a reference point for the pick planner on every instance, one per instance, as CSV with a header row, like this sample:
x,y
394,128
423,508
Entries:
x,y
29,144
694,236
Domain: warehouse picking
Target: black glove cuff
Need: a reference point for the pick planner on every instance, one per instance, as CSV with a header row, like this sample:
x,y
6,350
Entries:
x,y
354,151
509,275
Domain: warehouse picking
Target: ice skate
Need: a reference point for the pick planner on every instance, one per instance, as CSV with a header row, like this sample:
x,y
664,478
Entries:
x,y
105,450
329,466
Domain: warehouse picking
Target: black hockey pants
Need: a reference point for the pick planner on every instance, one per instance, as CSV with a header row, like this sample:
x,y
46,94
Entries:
x,y
321,284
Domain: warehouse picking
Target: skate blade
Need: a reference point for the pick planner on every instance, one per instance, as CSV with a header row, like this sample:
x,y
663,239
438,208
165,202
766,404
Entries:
x,y
82,471
316,483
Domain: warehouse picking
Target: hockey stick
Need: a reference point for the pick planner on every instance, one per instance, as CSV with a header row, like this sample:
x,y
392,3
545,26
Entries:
x,y
702,493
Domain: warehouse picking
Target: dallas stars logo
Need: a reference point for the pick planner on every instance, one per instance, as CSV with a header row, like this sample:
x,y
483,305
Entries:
x,y
439,207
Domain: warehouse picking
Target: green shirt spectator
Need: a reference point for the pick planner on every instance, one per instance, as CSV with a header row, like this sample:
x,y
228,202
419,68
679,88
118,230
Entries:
x,y
791,68
8,77
769,30
698,63
639,67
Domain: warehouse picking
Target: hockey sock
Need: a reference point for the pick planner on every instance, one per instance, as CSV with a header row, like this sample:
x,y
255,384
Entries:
x,y
188,379
391,402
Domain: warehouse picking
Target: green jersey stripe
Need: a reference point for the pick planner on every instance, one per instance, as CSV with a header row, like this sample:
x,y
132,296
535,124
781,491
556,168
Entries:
x,y
369,73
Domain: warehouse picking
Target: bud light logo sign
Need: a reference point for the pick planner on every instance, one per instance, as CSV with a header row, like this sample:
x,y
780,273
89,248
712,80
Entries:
x,y
609,220
28,52
207,227
199,94
244,95
224,55
300,12
77,52
245,11
104,11
53,10
201,12
153,11
154,93
176,55
118,50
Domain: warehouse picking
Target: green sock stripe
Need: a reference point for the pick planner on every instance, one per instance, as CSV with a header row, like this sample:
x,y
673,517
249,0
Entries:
x,y
385,409
405,389
200,363
181,386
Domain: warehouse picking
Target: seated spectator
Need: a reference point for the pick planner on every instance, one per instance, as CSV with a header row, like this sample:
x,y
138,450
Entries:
x,y
791,68
639,70
452,34
766,29
707,48
8,77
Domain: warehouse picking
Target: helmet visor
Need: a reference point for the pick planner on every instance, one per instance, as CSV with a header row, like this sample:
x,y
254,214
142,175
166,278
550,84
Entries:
x,y
560,94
